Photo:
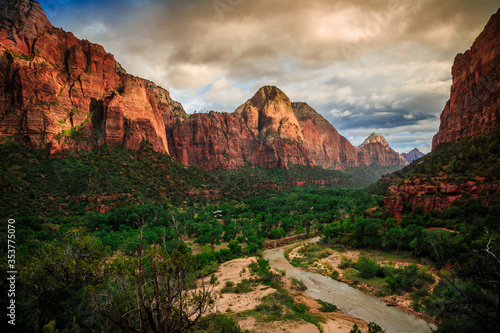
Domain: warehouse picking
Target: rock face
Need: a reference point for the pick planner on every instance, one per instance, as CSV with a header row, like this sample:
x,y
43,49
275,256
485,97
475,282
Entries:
x,y
473,109
376,150
62,93
430,197
413,155
474,105
325,145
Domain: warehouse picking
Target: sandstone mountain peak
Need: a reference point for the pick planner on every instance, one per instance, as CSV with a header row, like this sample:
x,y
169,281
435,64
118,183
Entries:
x,y
413,155
269,93
376,138
23,16
474,104
62,93
304,111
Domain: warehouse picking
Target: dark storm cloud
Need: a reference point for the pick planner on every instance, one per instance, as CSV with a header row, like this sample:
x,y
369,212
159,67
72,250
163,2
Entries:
x,y
366,65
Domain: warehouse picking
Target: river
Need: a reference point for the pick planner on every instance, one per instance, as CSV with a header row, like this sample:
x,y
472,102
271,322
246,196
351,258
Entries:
x,y
348,299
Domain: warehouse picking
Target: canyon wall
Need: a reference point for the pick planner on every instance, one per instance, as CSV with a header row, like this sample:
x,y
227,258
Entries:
x,y
61,93
474,105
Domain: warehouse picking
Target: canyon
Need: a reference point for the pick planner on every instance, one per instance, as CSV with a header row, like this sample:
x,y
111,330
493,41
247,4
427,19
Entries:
x,y
474,104
61,93
473,109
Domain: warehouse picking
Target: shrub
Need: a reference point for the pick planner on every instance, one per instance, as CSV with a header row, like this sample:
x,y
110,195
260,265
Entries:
x,y
346,263
327,307
367,267
298,284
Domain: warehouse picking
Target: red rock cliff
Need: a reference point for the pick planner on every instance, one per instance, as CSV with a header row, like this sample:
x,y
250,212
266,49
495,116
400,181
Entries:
x,y
327,148
264,131
62,92
376,150
474,105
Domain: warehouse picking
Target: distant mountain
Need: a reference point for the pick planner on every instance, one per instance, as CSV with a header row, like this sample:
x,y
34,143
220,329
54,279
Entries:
x,y
376,150
413,155
62,93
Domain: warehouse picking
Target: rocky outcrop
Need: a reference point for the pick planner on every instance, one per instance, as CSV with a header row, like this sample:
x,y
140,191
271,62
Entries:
x,y
60,92
413,155
327,148
474,105
430,197
264,131
376,150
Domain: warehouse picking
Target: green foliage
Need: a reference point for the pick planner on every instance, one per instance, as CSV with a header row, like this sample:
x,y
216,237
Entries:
x,y
280,306
463,160
355,329
407,278
368,268
310,254
327,307
374,328
20,56
153,291
242,287
298,284
220,324
262,269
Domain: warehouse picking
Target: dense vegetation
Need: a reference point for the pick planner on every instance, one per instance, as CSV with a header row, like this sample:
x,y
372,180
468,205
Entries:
x,y
472,159
74,212
83,220
462,240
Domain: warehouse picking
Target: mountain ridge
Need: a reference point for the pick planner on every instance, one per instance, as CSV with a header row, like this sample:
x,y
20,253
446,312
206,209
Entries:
x,y
413,155
62,93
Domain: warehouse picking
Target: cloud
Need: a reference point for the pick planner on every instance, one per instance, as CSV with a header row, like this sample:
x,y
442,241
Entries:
x,y
365,65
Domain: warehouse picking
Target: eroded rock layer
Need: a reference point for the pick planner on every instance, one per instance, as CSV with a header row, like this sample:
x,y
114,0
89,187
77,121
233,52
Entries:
x,y
474,105
63,93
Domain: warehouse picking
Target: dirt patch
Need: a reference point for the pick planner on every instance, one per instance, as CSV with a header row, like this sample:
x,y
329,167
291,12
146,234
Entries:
x,y
228,303
235,271
253,325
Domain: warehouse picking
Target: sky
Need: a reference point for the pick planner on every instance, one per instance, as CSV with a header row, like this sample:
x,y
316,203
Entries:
x,y
380,66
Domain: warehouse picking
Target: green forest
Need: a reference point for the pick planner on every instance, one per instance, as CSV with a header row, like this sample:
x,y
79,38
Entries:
x,y
92,226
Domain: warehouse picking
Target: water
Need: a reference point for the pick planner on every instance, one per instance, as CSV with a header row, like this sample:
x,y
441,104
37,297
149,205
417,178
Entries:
x,y
349,300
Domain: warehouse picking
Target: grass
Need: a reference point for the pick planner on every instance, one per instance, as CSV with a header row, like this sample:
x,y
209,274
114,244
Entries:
x,y
279,306
243,287
310,254
327,307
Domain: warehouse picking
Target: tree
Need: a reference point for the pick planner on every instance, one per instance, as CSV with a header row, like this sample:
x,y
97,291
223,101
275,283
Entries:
x,y
472,297
153,292
52,277
367,267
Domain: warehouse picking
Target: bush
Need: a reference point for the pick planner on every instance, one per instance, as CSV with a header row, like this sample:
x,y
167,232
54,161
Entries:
x,y
346,263
298,284
327,307
367,267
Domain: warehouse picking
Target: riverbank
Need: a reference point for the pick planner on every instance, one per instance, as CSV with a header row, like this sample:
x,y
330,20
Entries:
x,y
338,263
346,298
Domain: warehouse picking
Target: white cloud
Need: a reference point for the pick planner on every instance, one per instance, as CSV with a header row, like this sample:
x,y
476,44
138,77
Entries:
x,y
396,81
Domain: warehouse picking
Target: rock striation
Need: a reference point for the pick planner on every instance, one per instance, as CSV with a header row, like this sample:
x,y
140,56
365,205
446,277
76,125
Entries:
x,y
63,93
435,197
473,109
413,155
474,105
57,90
